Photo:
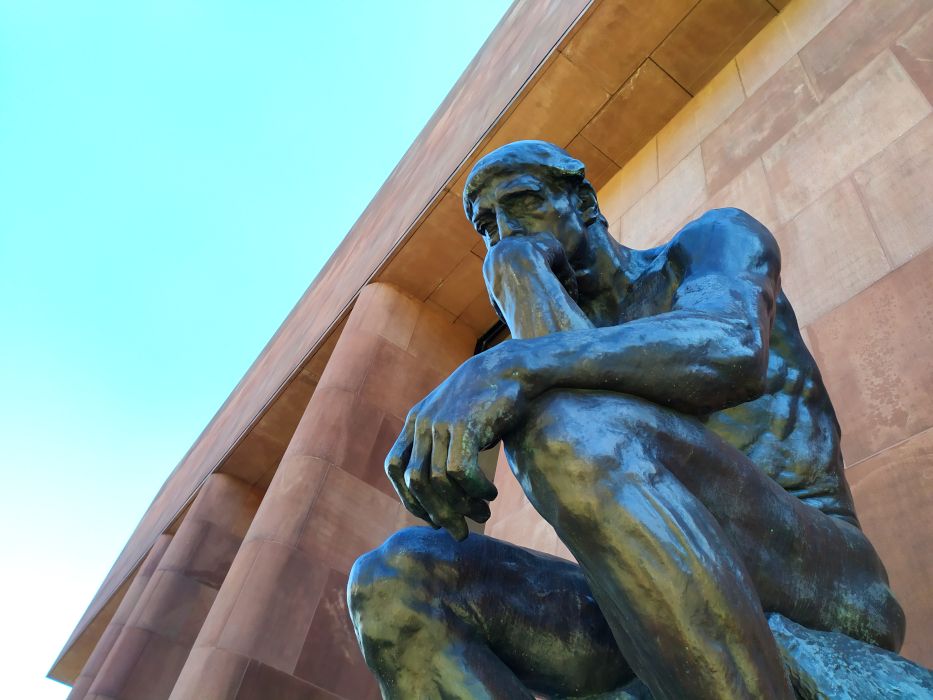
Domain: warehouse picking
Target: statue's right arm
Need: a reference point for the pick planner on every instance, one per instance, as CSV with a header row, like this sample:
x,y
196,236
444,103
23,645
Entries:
x,y
709,352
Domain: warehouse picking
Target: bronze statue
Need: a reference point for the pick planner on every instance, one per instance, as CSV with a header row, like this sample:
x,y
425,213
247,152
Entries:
x,y
661,411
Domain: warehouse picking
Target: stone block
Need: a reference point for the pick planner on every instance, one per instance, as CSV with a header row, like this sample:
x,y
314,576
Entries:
x,y
599,167
644,104
350,517
396,381
896,186
331,657
748,191
893,494
631,183
783,37
439,343
155,671
210,673
263,682
707,110
382,310
564,98
667,206
202,551
460,286
757,124
370,467
628,30
344,428
356,349
433,251
829,253
708,38
915,52
177,608
874,355
855,37
874,108
291,494
227,596
272,612
479,316
225,501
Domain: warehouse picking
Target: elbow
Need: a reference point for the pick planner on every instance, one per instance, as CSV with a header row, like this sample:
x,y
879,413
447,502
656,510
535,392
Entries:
x,y
746,370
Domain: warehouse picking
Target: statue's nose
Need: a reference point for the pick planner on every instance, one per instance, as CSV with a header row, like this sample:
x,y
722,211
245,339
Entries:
x,y
507,226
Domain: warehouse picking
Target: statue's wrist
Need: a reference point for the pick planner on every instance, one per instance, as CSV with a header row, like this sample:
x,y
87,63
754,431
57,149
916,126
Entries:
x,y
526,364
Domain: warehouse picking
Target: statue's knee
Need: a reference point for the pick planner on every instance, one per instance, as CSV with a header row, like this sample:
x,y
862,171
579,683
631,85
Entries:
x,y
385,584
573,443
889,622
581,454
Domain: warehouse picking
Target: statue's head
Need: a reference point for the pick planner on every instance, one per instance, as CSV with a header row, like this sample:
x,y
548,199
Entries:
x,y
530,187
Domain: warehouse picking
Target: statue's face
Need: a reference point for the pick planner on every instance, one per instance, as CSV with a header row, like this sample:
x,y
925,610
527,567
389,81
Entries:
x,y
522,204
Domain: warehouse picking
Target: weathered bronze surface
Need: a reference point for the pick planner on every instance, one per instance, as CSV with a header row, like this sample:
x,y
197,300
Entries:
x,y
661,411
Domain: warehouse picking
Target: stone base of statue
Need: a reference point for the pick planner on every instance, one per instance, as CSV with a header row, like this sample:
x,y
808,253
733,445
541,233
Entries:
x,y
824,665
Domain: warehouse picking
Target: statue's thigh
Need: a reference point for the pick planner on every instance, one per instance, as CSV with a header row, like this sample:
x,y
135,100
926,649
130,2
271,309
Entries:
x,y
798,557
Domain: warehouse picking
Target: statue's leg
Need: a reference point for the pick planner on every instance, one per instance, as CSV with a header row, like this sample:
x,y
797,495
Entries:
x,y
479,619
685,542
677,595
682,605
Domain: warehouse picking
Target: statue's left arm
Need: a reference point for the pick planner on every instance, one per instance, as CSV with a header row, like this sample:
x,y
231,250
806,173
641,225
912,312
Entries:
x,y
710,351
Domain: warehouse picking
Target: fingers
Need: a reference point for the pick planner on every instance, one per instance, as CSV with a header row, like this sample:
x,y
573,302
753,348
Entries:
x,y
418,480
463,467
441,483
438,478
395,464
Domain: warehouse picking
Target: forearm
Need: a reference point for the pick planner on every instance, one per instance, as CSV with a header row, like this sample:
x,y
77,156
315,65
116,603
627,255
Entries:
x,y
534,302
685,360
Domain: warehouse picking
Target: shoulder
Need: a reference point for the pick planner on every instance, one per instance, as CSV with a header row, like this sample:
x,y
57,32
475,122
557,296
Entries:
x,y
726,240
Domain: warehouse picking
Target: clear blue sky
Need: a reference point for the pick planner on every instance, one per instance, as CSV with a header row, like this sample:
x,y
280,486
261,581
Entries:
x,y
172,176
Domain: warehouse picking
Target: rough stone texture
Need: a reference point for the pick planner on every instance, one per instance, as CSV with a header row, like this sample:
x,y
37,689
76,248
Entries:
x,y
703,113
782,38
858,34
667,206
829,253
894,496
876,106
765,117
914,50
874,353
896,187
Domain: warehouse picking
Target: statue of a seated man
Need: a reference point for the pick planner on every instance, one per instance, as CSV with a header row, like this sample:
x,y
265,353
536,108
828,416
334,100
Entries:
x,y
661,412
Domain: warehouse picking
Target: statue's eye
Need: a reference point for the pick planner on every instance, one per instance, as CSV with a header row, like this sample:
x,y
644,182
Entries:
x,y
526,200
